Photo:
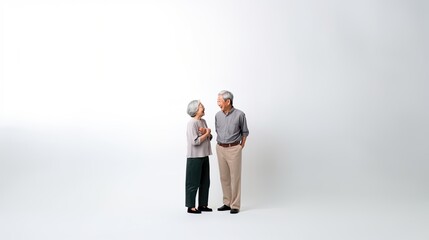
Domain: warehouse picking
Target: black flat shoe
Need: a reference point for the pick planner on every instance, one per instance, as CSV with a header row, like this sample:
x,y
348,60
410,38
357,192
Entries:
x,y
224,208
234,211
190,210
205,209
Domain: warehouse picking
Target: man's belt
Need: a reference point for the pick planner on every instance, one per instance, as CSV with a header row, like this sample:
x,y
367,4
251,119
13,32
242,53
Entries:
x,y
228,144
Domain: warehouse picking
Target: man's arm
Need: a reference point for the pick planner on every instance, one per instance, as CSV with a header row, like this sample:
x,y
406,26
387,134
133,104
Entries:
x,y
243,141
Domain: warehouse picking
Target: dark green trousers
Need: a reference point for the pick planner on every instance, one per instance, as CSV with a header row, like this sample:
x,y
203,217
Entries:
x,y
197,179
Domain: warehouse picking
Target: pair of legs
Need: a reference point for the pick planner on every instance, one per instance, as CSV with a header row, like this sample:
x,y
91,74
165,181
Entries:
x,y
229,159
197,180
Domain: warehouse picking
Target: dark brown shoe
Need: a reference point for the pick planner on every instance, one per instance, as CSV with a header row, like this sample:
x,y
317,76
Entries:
x,y
190,210
224,208
204,209
234,211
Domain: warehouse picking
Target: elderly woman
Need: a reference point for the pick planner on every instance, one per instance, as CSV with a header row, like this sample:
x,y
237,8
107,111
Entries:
x,y
197,164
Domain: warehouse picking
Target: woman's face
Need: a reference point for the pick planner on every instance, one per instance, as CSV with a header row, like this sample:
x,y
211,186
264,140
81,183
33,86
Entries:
x,y
201,110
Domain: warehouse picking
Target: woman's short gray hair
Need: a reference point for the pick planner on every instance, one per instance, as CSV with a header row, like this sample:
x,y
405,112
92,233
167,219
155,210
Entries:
x,y
193,108
226,95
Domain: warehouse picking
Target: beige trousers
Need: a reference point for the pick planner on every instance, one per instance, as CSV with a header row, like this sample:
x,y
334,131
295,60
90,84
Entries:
x,y
229,159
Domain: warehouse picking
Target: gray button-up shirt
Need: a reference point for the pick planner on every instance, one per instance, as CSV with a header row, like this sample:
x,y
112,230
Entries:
x,y
231,127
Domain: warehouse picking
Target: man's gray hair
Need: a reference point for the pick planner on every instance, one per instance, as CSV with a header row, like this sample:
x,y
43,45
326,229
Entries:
x,y
193,108
226,95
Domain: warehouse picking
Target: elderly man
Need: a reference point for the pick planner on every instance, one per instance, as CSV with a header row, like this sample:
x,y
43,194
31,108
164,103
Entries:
x,y
231,129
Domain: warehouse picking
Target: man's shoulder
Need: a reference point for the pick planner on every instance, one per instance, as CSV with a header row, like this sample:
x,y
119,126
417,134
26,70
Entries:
x,y
239,112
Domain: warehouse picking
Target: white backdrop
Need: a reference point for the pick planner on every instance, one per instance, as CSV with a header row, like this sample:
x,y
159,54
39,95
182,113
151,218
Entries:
x,y
93,97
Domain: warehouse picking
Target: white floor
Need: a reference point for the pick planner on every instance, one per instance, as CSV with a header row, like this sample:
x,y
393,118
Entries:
x,y
61,188
323,218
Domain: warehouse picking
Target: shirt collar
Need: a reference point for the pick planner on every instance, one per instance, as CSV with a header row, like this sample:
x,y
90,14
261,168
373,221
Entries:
x,y
230,111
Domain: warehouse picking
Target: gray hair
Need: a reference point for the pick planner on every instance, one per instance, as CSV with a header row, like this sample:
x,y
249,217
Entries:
x,y
226,95
193,108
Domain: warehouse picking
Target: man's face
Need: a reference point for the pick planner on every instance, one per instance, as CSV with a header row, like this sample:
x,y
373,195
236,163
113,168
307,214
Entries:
x,y
222,103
